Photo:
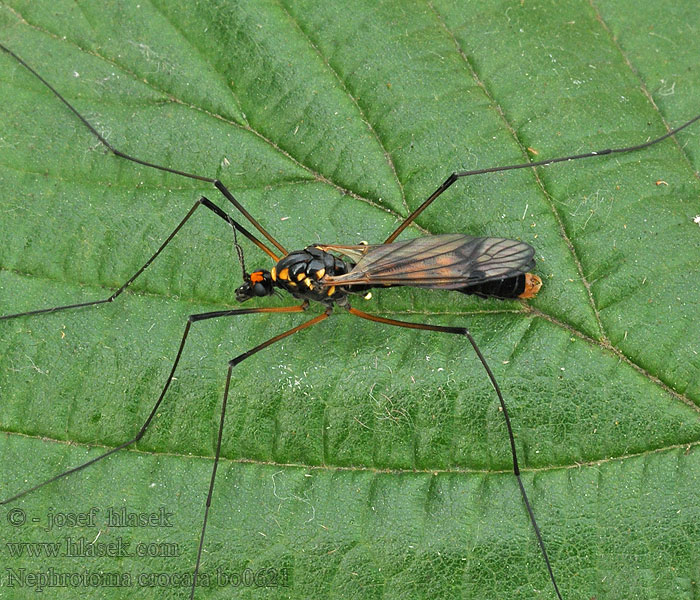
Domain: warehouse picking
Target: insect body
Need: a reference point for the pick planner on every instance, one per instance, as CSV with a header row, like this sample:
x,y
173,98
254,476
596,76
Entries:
x,y
487,267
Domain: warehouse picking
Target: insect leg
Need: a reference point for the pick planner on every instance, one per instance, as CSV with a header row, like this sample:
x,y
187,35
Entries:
x,y
191,319
232,363
516,468
540,163
220,186
201,202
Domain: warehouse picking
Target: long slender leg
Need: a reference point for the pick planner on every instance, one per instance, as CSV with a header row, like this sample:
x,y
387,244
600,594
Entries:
x,y
226,192
232,363
540,163
220,186
191,319
516,468
393,236
201,202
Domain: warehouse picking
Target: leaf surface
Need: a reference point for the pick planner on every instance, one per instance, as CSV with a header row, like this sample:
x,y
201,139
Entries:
x,y
360,461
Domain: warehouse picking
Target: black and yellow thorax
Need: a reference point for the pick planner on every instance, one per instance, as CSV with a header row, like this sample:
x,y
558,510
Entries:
x,y
301,273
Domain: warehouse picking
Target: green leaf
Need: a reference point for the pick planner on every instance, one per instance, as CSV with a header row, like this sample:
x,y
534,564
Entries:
x,y
360,461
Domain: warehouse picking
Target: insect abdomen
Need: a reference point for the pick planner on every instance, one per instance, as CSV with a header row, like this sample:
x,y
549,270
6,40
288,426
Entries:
x,y
523,285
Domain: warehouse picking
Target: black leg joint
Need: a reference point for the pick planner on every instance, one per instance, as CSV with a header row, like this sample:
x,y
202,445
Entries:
x,y
234,361
215,209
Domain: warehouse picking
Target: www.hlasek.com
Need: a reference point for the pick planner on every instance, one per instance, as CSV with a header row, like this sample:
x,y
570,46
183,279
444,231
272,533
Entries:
x,y
85,547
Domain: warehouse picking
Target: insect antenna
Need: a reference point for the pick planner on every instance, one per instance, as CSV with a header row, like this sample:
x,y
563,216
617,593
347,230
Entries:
x,y
239,251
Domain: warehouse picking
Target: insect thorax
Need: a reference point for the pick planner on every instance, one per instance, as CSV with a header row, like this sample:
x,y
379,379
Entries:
x,y
301,273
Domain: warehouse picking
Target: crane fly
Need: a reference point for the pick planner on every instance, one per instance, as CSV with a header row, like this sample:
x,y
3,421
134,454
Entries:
x,y
486,267
329,274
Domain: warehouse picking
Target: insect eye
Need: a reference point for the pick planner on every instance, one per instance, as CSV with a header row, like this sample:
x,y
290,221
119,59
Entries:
x,y
259,289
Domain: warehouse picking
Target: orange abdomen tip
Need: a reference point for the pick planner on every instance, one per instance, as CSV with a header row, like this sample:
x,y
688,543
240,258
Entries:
x,y
532,285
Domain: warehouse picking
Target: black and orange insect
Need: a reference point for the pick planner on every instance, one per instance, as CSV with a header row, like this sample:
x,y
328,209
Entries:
x,y
331,275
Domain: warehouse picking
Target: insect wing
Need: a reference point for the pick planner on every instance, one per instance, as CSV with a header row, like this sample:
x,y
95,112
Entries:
x,y
439,261
354,253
